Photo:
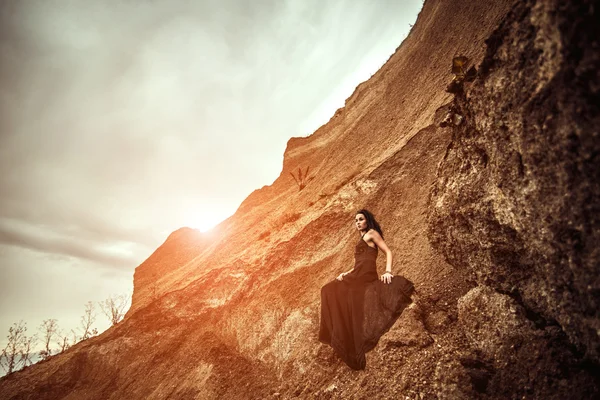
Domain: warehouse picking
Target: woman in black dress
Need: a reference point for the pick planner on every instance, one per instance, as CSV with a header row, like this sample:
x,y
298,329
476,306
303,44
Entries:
x,y
357,307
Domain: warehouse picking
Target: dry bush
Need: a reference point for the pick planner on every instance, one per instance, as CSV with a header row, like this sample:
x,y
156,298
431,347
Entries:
x,y
115,307
87,319
288,218
17,352
302,179
49,329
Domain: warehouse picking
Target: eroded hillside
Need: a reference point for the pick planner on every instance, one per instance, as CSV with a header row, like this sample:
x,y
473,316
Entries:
x,y
495,220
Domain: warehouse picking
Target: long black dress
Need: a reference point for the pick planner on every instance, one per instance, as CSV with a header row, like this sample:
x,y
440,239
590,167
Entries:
x,y
356,311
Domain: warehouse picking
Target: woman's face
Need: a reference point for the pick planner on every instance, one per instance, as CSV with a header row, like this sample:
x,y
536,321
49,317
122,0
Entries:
x,y
361,222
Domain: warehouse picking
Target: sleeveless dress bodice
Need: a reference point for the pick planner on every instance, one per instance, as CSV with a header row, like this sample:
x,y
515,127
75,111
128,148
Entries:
x,y
365,264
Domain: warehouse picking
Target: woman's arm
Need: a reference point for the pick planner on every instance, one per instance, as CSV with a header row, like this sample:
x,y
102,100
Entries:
x,y
341,276
376,238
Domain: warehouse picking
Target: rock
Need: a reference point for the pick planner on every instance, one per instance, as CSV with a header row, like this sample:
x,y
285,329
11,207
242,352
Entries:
x,y
437,321
514,207
517,200
452,382
331,388
408,330
494,323
511,357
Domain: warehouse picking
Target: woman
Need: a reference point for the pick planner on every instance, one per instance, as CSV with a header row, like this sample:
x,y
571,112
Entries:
x,y
357,307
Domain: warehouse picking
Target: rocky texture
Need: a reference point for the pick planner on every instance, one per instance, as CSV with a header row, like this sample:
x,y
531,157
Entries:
x,y
234,313
517,202
180,248
517,205
504,341
409,330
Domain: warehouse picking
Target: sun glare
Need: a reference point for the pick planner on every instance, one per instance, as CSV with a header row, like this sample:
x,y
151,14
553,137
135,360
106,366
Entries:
x,y
205,223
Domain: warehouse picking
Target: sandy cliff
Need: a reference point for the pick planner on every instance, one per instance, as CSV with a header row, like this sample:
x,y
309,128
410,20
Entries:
x,y
494,220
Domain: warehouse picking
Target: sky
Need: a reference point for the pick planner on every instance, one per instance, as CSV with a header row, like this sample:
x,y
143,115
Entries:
x,y
122,121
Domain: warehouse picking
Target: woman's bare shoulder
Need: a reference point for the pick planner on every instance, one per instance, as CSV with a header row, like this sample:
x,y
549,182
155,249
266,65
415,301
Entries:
x,y
372,233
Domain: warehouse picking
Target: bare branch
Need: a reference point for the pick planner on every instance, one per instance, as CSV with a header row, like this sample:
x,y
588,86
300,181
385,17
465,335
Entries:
x,y
26,353
115,307
88,318
49,329
11,357
63,343
75,339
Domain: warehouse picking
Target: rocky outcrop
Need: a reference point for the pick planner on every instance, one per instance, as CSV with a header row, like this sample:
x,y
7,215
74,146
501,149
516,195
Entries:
x,y
517,202
180,248
516,358
493,220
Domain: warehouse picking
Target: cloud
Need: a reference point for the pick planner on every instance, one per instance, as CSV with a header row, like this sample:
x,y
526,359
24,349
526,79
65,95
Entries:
x,y
35,287
108,253
121,121
145,113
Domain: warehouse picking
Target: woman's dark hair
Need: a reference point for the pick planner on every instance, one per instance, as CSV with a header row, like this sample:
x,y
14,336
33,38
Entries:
x,y
371,221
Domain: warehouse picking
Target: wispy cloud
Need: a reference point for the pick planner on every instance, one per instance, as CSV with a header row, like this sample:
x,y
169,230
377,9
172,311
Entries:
x,y
121,121
71,243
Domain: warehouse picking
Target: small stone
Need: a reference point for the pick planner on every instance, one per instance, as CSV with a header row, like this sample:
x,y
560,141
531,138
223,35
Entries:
x,y
408,331
437,322
331,388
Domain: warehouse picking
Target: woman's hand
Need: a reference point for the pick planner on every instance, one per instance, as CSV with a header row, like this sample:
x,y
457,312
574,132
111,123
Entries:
x,y
340,277
387,277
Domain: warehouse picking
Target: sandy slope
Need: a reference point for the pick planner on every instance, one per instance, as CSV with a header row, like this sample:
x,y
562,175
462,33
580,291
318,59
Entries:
x,y
234,313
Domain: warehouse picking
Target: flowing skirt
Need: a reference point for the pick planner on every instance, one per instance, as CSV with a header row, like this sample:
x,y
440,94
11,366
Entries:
x,y
354,315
